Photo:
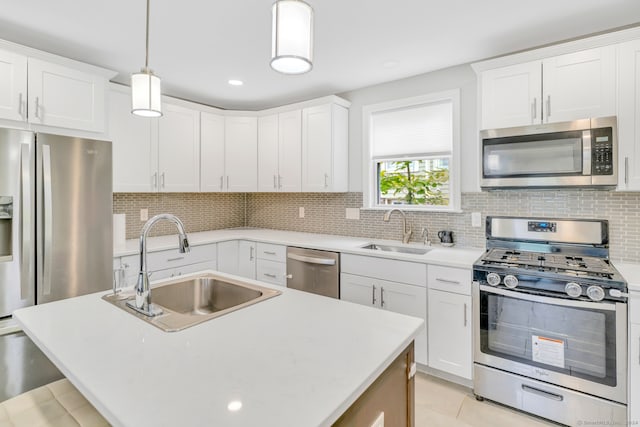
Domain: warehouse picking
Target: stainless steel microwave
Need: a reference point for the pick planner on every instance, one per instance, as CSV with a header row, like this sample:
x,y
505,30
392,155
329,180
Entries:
x,y
581,153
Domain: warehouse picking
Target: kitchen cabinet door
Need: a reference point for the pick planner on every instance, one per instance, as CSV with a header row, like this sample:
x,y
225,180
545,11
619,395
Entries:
x,y
629,116
449,332
247,259
290,151
241,154
179,149
13,86
212,171
412,301
511,95
325,148
634,372
580,85
268,153
228,257
64,97
359,289
135,163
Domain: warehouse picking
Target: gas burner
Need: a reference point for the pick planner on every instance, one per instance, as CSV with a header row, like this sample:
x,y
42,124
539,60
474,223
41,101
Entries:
x,y
575,262
511,256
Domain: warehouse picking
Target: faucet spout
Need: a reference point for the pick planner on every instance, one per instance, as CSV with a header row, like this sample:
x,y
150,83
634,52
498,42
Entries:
x,y
143,291
406,232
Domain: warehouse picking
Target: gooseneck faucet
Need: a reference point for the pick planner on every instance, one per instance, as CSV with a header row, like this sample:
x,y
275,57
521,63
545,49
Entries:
x,y
143,291
406,233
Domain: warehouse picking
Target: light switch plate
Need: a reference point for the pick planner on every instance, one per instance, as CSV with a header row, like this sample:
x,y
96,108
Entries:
x,y
476,219
144,214
300,212
353,213
379,422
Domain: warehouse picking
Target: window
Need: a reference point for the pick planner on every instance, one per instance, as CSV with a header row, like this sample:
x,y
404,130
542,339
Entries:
x,y
411,153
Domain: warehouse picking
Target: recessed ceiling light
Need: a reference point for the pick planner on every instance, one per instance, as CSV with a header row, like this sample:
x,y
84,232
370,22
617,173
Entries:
x,y
234,82
234,406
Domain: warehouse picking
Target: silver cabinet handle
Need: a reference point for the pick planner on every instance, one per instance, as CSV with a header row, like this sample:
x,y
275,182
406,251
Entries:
x,y
373,295
221,182
20,106
37,108
275,185
273,276
548,106
25,227
268,253
175,259
382,296
312,260
162,179
279,181
533,108
251,249
154,180
227,182
48,219
626,170
453,282
465,314
326,177
543,393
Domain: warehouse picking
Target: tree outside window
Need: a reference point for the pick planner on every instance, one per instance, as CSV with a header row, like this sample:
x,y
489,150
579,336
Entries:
x,y
418,182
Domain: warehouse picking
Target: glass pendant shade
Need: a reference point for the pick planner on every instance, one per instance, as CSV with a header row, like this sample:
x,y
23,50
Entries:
x,y
292,37
146,99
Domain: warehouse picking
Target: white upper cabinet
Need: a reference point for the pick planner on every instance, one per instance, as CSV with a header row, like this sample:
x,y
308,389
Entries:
x,y
511,95
13,86
561,88
134,155
64,97
179,149
268,153
279,151
629,116
580,85
241,154
325,148
211,152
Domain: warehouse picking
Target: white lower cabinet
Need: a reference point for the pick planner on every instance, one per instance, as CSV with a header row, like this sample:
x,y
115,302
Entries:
x,y
271,264
237,257
450,320
634,359
397,297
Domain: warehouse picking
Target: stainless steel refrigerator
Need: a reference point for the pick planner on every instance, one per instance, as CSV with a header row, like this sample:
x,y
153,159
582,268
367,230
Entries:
x,y
55,218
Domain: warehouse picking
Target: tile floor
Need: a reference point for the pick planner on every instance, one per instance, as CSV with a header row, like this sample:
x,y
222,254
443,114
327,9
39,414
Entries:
x,y
440,403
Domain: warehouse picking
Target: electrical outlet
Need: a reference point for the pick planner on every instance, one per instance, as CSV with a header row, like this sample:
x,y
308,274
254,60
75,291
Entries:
x,y
144,214
352,213
379,422
476,219
300,212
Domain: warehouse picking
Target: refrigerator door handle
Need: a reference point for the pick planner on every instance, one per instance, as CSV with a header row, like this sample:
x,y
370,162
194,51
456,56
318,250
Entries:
x,y
48,219
26,226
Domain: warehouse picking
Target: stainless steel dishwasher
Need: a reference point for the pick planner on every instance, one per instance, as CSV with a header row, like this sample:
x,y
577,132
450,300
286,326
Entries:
x,y
313,271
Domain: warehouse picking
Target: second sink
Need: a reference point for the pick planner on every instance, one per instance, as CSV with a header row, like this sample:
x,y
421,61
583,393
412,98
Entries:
x,y
399,249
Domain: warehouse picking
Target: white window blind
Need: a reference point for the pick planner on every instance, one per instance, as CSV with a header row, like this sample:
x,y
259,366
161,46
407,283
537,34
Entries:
x,y
411,131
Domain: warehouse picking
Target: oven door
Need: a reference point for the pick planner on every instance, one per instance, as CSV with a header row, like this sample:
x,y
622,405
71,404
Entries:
x,y
575,344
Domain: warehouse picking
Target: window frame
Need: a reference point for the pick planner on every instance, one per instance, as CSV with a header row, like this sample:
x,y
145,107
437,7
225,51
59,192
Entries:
x,y
369,169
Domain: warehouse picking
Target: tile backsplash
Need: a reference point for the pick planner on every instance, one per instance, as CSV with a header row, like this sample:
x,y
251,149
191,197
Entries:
x,y
325,214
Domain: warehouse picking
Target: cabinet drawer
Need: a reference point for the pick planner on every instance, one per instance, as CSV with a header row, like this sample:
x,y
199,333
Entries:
x,y
634,308
449,279
272,252
172,258
271,272
382,268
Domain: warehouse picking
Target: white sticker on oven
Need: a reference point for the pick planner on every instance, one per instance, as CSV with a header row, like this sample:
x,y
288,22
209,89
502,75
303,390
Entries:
x,y
547,350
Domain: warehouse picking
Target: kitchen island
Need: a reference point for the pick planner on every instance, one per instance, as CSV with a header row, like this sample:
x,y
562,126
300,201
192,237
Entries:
x,y
293,360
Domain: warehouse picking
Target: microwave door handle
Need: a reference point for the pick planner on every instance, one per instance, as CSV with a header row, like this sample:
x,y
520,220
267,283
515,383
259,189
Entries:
x,y
586,152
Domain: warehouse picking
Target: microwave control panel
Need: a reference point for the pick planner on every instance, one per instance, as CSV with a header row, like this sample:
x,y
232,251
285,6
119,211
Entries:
x,y
602,151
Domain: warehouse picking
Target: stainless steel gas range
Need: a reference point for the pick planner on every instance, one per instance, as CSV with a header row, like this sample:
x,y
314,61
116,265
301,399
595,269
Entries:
x,y
551,321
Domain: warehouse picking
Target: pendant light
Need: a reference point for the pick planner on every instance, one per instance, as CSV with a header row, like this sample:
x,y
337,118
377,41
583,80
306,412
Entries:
x,y
146,100
292,37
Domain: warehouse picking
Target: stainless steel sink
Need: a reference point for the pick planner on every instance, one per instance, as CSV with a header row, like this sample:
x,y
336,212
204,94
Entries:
x,y
187,302
399,249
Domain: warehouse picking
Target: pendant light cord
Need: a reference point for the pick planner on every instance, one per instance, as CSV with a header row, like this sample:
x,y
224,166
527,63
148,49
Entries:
x,y
146,58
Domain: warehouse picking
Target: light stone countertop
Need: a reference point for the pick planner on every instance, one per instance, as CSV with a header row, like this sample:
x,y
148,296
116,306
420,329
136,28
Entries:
x,y
297,359
631,273
453,256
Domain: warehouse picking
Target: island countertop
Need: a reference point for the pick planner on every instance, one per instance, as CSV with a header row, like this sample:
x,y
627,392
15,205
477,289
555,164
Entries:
x,y
294,360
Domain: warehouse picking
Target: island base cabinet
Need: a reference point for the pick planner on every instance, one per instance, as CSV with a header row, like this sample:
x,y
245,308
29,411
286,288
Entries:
x,y
449,333
392,394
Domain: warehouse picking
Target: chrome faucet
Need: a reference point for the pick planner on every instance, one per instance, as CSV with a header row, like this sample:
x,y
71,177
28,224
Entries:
x,y
425,236
143,292
406,233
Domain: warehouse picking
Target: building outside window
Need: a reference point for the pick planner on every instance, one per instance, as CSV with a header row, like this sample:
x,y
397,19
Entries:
x,y
411,153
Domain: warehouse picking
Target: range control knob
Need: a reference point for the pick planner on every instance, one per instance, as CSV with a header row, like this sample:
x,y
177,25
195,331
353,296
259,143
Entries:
x,y
573,289
595,293
493,279
510,281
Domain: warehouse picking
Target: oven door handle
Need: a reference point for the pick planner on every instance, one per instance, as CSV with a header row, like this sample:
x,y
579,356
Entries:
x,y
607,306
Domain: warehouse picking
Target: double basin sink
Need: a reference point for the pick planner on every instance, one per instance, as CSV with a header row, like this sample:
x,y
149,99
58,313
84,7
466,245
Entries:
x,y
188,302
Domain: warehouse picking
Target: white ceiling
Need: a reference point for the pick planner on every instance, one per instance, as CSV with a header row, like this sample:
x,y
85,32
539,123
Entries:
x,y
198,45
